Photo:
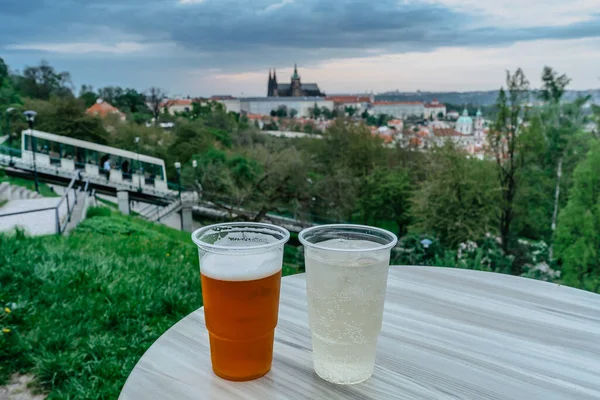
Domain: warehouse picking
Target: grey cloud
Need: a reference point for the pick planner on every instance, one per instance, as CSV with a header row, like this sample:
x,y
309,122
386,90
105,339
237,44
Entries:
x,y
234,34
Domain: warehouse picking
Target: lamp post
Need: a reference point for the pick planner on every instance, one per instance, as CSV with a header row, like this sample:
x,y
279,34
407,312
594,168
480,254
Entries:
x,y
30,115
8,111
178,168
195,165
137,151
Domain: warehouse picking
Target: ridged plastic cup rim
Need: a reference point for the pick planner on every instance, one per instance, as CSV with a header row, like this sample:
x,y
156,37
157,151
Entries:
x,y
393,238
218,248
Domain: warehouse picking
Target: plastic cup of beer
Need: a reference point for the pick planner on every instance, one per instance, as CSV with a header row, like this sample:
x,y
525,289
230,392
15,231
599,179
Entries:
x,y
240,272
346,279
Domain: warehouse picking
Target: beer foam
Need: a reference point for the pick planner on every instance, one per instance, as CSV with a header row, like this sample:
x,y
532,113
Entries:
x,y
241,267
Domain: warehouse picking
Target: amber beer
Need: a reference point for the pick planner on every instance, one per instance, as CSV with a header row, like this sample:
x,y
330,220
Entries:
x,y
240,271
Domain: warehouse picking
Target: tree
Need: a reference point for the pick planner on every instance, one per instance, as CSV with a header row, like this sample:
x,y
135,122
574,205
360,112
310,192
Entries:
x,y
384,196
315,111
154,98
293,113
43,81
504,145
282,111
87,95
8,95
577,240
66,116
553,85
3,72
129,100
341,161
350,111
327,113
110,93
259,179
440,115
458,199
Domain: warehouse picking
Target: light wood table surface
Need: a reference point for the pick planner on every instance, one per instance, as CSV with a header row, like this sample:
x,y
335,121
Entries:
x,y
447,334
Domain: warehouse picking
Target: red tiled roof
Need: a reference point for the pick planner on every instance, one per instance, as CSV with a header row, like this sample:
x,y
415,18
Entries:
x,y
438,105
442,132
102,108
381,102
349,99
415,141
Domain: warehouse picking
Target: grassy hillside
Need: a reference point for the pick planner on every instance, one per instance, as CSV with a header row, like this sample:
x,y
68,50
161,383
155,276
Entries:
x,y
45,190
79,311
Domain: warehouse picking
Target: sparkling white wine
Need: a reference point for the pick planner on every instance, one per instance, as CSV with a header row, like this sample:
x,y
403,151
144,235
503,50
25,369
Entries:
x,y
346,293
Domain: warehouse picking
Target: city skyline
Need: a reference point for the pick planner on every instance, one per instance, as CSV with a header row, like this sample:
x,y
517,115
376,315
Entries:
x,y
205,47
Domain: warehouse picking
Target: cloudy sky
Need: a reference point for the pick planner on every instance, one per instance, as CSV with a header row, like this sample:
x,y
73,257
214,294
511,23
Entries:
x,y
204,47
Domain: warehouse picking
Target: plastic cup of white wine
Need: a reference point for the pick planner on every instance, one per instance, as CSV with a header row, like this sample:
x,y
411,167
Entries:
x,y
346,280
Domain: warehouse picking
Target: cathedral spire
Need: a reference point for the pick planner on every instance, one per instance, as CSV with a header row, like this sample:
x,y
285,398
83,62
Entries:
x,y
295,76
270,85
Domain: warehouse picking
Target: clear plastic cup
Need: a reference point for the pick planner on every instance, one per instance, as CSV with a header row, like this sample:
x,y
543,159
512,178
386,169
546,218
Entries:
x,y
240,270
346,279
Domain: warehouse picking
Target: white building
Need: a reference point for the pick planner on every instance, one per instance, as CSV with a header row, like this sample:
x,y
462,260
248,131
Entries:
x,y
359,103
264,105
231,105
453,114
434,109
176,105
399,109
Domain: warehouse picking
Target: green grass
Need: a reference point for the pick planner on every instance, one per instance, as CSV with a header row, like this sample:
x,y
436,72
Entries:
x,y
45,190
3,202
107,203
84,308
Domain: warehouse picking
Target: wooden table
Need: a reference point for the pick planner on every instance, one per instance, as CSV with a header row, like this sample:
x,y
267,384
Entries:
x,y
447,334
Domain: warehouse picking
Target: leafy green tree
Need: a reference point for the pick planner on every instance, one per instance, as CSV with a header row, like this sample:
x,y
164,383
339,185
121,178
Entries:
x,y
3,72
260,179
577,241
553,85
281,111
43,81
8,95
458,201
87,95
315,111
350,111
327,113
110,94
293,113
340,161
66,116
385,195
504,140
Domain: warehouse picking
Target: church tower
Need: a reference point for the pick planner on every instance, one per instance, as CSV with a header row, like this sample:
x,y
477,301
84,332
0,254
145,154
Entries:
x,y
296,85
275,91
270,85
479,120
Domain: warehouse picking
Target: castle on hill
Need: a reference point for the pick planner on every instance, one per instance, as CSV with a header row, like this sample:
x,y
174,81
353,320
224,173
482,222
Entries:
x,y
293,89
